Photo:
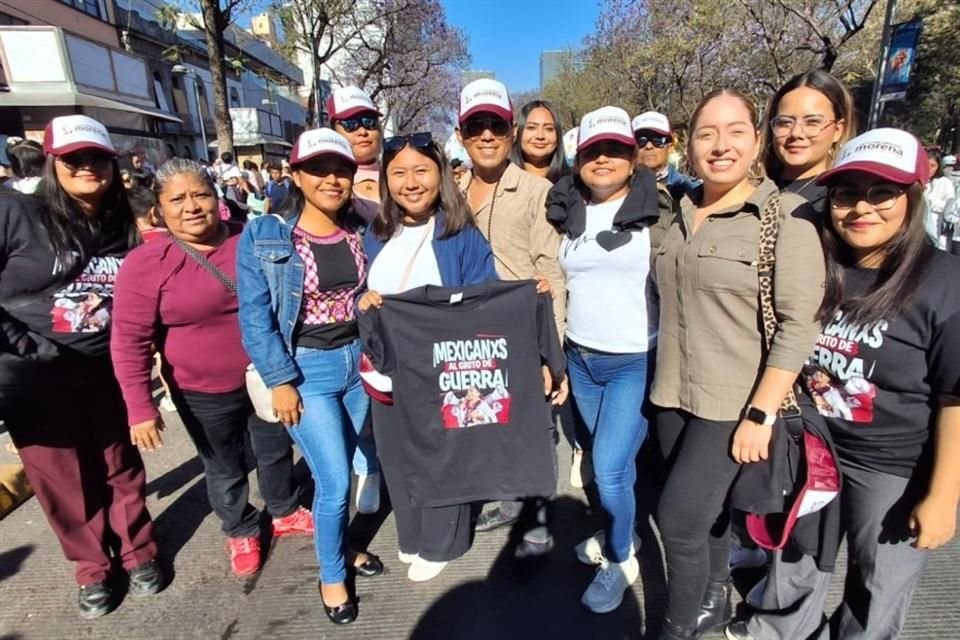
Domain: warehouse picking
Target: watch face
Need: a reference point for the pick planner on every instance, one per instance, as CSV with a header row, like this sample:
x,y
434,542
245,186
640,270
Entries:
x,y
755,415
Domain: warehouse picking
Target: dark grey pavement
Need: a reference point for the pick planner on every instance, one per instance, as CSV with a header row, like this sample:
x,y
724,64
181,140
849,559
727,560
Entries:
x,y
477,597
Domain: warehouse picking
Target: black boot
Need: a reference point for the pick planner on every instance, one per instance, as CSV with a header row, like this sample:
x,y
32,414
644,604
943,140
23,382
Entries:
x,y
716,610
670,631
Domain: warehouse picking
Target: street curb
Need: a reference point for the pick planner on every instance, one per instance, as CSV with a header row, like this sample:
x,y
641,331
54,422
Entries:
x,y
14,488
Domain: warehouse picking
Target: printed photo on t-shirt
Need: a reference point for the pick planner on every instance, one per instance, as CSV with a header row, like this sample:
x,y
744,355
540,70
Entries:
x,y
473,380
85,305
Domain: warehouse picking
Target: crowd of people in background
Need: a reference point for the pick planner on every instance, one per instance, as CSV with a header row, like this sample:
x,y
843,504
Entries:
x,y
785,293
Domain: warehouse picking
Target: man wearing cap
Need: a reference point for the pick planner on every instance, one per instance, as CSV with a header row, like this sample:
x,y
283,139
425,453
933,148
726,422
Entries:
x,y
950,170
510,209
655,144
354,116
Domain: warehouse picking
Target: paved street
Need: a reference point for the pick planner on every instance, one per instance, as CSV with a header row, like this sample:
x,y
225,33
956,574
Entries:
x,y
477,597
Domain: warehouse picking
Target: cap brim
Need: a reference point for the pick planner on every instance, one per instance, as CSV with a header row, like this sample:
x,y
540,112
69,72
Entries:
x,y
877,169
354,111
82,146
492,109
607,137
655,130
322,152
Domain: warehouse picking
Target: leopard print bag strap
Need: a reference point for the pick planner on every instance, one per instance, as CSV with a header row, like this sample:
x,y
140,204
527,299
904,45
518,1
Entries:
x,y
766,263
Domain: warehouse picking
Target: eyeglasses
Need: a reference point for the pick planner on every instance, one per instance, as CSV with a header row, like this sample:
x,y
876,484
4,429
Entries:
x,y
476,126
369,122
811,126
658,141
880,196
419,140
80,159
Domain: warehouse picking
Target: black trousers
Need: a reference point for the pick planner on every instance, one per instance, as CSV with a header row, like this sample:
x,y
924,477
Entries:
x,y
228,434
438,534
693,516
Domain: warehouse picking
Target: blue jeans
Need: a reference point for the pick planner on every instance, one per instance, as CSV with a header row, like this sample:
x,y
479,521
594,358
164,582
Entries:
x,y
335,409
609,390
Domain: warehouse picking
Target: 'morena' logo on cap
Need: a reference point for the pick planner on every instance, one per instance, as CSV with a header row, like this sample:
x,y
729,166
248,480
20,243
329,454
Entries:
x,y
484,93
315,142
882,147
593,123
82,129
354,96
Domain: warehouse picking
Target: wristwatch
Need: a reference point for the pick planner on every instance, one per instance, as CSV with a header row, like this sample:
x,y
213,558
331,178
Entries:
x,y
759,416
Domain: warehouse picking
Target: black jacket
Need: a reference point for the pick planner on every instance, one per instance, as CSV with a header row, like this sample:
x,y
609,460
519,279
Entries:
x,y
567,207
770,486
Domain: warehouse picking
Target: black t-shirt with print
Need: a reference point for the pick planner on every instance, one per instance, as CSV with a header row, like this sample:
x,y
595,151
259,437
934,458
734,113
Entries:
x,y
339,271
879,385
468,388
75,315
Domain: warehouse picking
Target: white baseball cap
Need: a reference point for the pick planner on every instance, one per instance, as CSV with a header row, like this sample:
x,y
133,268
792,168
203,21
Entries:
x,y
890,154
606,123
949,161
345,102
653,121
317,142
485,95
66,134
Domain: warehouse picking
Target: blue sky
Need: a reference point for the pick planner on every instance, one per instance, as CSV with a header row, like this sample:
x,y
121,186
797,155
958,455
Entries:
x,y
507,36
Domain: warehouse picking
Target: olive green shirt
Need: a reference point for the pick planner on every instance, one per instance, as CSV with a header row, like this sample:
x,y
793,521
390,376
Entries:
x,y
524,243
710,347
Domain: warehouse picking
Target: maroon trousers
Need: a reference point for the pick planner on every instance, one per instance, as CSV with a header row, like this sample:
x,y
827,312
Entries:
x,y
87,476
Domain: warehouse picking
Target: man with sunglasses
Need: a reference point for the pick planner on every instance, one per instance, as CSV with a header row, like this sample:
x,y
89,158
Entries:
x,y
354,116
654,144
510,209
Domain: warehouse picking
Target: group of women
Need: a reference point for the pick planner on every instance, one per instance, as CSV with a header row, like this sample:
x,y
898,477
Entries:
x,y
664,323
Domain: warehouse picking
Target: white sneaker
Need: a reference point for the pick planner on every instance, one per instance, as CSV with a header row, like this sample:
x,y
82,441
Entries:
x,y
605,593
407,558
422,570
576,480
744,558
590,551
368,493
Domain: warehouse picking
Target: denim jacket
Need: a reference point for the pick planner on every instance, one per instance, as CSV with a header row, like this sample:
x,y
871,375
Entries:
x,y
270,289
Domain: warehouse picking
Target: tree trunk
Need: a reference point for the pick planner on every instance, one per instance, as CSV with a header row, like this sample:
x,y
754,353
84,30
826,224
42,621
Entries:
x,y
214,26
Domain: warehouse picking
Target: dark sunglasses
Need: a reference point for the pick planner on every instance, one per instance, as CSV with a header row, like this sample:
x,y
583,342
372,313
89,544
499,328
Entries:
x,y
476,126
369,123
657,141
419,140
80,159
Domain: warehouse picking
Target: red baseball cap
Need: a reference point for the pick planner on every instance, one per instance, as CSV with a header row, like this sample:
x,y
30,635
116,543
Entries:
x,y
890,154
66,134
346,102
818,487
485,96
378,386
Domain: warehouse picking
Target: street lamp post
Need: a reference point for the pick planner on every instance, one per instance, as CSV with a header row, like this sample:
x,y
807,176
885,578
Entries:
x,y
182,70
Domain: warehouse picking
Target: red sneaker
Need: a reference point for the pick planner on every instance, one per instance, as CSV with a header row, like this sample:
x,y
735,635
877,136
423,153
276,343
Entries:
x,y
244,555
297,523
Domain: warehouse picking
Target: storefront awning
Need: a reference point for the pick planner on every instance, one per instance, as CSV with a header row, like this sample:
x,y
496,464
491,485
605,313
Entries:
x,y
255,140
76,98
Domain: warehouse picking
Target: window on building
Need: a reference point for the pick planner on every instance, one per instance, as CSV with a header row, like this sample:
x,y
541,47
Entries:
x,y
89,7
10,21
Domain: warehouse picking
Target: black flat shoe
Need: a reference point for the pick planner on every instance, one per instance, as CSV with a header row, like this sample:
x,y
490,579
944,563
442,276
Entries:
x,y
492,520
716,610
145,579
342,613
96,600
369,569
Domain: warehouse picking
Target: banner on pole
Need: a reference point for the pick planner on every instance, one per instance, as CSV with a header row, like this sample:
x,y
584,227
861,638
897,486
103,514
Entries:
x,y
901,58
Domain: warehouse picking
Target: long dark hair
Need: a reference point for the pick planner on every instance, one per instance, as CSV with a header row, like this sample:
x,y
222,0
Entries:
x,y
833,90
450,200
908,257
935,155
74,236
558,162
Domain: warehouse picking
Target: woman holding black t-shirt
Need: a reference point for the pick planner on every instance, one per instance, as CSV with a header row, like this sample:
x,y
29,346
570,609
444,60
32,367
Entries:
x,y
808,120
885,375
59,257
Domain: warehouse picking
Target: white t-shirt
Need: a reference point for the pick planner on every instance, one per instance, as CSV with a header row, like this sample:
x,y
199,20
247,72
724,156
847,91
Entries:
x,y
388,267
610,304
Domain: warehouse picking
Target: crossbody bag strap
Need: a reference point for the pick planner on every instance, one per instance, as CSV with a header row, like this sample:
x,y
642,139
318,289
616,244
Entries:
x,y
228,282
766,264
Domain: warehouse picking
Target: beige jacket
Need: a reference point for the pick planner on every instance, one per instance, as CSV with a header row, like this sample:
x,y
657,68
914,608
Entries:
x,y
709,353
524,243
